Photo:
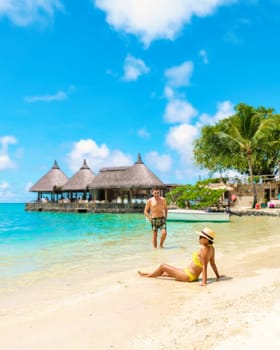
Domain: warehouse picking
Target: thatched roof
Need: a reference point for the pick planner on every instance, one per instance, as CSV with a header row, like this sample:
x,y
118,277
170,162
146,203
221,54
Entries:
x,y
137,175
81,180
109,178
54,178
140,176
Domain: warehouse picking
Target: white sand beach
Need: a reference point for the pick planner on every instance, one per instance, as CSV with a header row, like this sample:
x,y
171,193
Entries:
x,y
125,311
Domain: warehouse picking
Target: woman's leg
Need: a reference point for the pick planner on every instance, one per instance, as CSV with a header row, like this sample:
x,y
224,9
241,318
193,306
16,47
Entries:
x,y
168,271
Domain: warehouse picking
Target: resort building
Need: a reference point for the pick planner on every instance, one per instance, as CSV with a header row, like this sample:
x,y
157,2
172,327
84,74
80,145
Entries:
x,y
128,187
49,186
113,189
267,189
77,187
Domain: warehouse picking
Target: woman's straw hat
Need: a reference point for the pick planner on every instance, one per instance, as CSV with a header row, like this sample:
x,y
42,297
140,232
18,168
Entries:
x,y
207,233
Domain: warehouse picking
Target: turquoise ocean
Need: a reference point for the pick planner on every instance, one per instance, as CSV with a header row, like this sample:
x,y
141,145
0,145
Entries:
x,y
42,243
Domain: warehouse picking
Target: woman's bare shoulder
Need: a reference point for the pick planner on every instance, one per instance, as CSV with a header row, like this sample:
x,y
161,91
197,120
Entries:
x,y
205,249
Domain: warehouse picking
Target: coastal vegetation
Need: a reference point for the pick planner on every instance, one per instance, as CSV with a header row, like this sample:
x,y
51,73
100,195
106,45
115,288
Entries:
x,y
247,142
198,196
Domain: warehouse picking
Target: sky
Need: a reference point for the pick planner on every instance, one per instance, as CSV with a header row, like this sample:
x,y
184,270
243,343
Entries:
x,y
105,80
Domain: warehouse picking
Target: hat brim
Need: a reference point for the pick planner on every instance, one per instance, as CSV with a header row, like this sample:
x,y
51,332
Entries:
x,y
205,236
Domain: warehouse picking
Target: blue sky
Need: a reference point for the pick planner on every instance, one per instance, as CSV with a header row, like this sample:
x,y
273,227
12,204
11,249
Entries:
x,y
105,80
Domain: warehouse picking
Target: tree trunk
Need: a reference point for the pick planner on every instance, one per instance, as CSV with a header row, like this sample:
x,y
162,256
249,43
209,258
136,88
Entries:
x,y
254,190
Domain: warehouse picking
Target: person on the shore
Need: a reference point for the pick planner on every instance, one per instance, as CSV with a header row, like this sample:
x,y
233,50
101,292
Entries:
x,y
156,212
198,265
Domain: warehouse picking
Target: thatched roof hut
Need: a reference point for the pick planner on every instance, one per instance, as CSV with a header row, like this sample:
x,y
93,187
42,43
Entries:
x,y
112,177
51,183
81,180
53,179
142,177
135,176
112,185
125,184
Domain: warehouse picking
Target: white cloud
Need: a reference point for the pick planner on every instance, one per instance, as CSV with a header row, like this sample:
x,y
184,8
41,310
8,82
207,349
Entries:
x,y
5,141
25,12
189,174
5,159
117,158
179,75
161,163
28,186
143,133
224,110
6,162
4,186
152,20
59,96
169,93
96,156
179,111
5,192
134,68
204,56
180,138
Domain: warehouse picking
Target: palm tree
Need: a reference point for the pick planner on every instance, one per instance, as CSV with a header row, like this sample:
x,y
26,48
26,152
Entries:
x,y
249,128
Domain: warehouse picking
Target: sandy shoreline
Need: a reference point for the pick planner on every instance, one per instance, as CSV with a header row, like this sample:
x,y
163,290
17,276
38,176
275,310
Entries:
x,y
125,311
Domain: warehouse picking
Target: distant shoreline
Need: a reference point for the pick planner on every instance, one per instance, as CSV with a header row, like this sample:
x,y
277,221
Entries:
x,y
241,211
238,210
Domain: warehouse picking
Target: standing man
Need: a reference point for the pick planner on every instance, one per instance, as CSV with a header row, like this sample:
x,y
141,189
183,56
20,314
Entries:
x,y
156,212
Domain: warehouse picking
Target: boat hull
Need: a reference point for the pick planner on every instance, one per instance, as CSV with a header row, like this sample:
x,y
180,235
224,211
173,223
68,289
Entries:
x,y
187,215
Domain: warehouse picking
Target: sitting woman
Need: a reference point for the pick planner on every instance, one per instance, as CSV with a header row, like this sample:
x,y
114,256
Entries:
x,y
198,265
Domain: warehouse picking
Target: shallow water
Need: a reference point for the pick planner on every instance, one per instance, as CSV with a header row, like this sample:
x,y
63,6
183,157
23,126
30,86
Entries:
x,y
38,244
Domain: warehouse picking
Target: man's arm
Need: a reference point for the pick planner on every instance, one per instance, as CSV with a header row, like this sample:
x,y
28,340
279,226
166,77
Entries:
x,y
147,210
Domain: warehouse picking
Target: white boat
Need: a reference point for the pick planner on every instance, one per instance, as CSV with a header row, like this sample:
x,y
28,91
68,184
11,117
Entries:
x,y
197,215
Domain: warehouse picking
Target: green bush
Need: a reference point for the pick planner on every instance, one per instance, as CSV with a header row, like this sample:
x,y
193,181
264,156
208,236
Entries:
x,y
196,196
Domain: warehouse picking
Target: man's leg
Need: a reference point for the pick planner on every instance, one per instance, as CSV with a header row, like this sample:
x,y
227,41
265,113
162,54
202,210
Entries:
x,y
155,239
163,236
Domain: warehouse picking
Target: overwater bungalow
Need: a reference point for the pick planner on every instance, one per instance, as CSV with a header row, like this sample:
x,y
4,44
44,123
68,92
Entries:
x,y
113,189
77,187
124,187
49,186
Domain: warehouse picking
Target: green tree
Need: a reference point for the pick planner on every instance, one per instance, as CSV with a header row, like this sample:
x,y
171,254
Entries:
x,y
197,196
247,142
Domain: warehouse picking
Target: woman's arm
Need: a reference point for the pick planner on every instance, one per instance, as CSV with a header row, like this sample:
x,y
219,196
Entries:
x,y
213,264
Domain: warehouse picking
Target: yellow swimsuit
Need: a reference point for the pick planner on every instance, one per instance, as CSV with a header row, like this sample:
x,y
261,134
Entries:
x,y
197,262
